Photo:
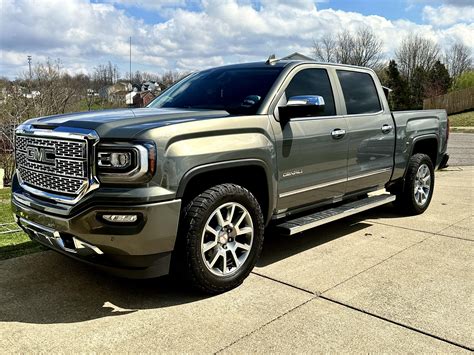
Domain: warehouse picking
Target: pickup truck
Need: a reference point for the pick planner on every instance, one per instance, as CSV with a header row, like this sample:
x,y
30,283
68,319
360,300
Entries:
x,y
190,183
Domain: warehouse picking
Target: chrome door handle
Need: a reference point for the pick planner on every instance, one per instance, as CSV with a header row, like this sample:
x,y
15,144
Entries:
x,y
386,128
338,133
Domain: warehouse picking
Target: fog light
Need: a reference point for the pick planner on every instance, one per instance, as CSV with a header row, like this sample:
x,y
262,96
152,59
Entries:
x,y
120,218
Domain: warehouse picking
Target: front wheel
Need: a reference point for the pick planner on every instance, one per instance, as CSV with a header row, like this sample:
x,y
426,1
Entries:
x,y
222,235
419,185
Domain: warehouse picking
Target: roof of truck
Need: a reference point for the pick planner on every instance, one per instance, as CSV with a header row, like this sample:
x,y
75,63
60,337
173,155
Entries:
x,y
281,63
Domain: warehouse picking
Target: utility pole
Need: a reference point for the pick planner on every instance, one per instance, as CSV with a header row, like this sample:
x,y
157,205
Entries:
x,y
29,64
130,60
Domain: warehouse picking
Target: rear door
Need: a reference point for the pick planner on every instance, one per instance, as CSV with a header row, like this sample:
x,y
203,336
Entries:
x,y
312,161
371,131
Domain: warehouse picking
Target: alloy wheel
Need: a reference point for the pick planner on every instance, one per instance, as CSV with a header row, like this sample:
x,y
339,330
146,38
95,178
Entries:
x,y
227,239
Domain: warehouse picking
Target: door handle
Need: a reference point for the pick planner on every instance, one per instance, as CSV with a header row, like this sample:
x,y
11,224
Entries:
x,y
338,133
386,128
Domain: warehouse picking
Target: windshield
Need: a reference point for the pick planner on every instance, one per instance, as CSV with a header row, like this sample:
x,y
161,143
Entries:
x,y
237,91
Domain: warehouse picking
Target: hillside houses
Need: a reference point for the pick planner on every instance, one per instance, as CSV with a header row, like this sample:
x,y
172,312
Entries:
x,y
137,95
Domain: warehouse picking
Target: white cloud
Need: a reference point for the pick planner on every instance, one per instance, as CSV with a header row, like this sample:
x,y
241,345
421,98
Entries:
x,y
215,32
446,15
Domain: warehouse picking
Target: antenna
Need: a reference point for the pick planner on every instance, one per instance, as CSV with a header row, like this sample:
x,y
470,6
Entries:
x,y
271,60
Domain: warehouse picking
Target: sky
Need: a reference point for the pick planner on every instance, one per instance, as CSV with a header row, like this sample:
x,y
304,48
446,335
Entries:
x,y
189,35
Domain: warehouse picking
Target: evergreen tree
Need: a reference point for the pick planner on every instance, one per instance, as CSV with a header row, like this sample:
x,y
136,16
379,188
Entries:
x,y
438,81
399,97
417,88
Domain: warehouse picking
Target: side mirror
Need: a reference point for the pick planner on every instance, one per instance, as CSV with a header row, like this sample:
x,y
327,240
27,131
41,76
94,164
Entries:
x,y
302,106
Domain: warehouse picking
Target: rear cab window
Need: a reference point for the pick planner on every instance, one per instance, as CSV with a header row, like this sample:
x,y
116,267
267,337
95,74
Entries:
x,y
360,92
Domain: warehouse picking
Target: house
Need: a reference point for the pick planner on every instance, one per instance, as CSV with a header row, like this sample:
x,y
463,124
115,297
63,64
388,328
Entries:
x,y
297,56
152,86
139,99
31,95
115,92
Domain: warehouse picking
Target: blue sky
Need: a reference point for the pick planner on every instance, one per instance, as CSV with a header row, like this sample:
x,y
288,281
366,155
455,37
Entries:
x,y
188,35
391,9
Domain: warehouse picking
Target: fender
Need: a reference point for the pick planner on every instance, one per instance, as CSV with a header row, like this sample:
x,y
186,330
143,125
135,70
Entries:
x,y
271,184
419,139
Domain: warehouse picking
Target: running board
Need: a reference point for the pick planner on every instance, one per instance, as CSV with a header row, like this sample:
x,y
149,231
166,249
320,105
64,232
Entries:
x,y
300,224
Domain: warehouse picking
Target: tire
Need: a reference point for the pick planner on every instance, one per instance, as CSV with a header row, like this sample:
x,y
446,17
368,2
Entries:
x,y
212,255
419,186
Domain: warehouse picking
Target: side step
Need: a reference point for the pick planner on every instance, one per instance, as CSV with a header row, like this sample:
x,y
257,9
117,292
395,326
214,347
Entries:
x,y
313,220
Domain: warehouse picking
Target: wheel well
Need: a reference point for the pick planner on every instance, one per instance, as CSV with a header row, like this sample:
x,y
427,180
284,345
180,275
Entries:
x,y
427,146
252,177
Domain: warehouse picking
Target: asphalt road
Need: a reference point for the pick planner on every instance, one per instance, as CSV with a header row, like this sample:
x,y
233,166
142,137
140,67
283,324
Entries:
x,y
372,283
461,149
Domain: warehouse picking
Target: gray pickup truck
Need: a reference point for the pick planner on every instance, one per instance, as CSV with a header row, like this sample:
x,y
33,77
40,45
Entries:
x,y
190,183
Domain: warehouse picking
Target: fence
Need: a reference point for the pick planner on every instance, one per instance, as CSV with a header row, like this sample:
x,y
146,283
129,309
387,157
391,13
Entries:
x,y
453,102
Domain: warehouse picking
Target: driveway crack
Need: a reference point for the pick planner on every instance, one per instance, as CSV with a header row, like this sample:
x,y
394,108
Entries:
x,y
406,326
265,324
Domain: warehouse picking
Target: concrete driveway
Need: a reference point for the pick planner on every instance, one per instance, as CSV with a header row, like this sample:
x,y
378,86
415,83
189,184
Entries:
x,y
377,282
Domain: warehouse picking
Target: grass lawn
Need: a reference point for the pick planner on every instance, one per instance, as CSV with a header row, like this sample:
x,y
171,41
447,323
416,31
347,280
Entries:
x,y
465,119
13,244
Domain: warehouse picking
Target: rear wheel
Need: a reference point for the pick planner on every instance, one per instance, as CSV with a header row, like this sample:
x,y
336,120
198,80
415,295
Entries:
x,y
419,184
221,236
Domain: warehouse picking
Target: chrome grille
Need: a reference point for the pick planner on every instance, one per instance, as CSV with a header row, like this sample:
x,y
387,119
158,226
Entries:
x,y
64,148
65,170
51,182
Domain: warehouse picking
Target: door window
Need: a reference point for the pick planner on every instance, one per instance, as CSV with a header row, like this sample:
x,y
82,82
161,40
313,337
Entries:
x,y
359,91
313,82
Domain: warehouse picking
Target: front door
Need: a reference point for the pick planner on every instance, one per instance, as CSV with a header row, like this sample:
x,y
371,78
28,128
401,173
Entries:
x,y
371,132
311,151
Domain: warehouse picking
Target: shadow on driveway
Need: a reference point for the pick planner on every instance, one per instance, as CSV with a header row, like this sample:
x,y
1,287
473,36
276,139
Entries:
x,y
278,247
47,288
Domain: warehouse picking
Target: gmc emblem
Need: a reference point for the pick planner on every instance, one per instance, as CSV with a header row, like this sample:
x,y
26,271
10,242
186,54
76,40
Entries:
x,y
43,155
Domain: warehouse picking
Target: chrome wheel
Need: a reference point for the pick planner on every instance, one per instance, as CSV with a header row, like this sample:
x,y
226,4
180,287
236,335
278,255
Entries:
x,y
422,185
227,239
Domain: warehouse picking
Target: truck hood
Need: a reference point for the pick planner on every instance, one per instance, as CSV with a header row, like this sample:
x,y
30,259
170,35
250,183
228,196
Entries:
x,y
124,123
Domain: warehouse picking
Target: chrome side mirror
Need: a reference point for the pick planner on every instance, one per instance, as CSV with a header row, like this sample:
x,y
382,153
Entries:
x,y
301,106
306,100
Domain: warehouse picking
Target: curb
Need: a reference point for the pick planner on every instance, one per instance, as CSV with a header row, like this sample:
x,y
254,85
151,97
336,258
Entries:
x,y
461,129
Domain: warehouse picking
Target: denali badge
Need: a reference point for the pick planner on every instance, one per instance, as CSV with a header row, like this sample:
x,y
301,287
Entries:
x,y
43,155
292,172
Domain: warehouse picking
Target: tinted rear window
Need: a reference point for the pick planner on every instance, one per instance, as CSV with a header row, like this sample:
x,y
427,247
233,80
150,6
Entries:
x,y
359,91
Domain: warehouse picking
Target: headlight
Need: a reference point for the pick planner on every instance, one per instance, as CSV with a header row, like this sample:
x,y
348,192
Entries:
x,y
126,163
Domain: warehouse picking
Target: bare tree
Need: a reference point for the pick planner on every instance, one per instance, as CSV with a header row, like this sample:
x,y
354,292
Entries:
x,y
54,89
457,59
170,77
325,49
361,48
14,109
367,50
416,51
105,74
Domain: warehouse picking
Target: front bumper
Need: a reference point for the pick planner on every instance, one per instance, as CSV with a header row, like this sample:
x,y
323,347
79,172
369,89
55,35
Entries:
x,y
137,250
